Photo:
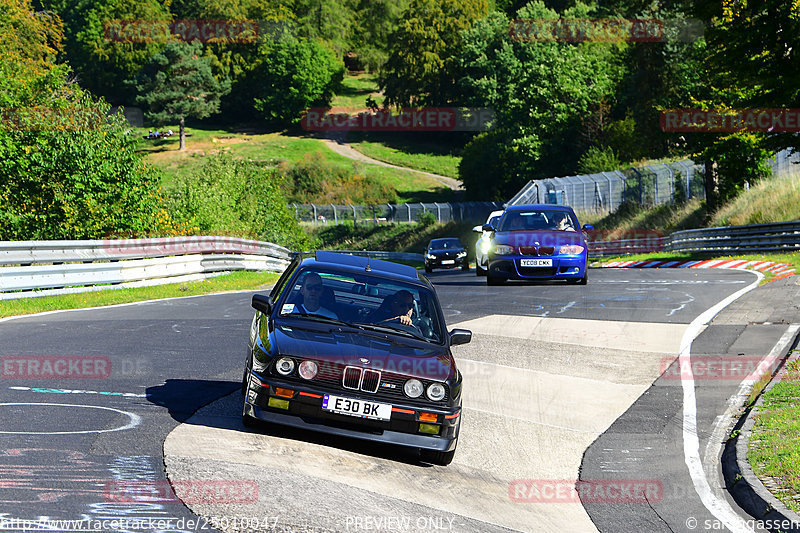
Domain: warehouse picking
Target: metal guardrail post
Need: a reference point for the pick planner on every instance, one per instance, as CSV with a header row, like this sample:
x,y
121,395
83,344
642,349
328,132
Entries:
x,y
409,211
335,217
438,212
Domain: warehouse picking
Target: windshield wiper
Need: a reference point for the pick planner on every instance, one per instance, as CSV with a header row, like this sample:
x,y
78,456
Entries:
x,y
391,329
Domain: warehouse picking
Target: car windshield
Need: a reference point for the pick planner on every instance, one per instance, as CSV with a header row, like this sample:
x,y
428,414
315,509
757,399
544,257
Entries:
x,y
364,301
538,219
444,244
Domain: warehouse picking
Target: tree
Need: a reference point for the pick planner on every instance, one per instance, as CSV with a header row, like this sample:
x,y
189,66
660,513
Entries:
x,y
291,76
178,83
422,65
541,92
101,57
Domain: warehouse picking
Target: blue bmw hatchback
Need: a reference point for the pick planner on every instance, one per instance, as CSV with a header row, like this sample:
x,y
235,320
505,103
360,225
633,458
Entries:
x,y
538,242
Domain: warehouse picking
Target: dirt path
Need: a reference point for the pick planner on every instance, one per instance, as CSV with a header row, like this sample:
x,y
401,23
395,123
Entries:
x,y
348,151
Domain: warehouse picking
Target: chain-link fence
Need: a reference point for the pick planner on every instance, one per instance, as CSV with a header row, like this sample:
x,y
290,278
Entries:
x,y
647,186
476,212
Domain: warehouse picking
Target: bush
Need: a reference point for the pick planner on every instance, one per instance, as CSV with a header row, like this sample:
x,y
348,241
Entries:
x,y
597,159
77,179
426,218
236,197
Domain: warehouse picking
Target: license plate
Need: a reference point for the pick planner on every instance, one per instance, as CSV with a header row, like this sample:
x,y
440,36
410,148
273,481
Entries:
x,y
448,261
359,408
536,262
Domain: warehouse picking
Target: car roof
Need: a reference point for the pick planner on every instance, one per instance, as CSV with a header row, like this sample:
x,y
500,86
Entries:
x,y
444,239
356,264
550,207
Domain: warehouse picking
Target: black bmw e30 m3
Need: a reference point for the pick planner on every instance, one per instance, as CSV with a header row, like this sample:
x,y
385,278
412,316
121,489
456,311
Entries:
x,y
355,347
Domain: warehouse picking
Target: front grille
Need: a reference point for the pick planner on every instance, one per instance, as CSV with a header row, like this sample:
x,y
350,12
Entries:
x,y
528,250
356,378
370,381
546,250
351,378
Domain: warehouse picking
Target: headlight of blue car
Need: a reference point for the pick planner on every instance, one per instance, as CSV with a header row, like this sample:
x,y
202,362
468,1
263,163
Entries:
x,y
503,249
571,249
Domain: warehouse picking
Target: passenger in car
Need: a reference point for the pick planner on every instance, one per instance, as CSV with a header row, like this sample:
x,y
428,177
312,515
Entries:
x,y
311,292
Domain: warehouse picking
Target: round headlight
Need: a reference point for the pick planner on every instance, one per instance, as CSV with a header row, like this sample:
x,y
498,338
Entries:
x,y
435,391
307,369
413,388
284,366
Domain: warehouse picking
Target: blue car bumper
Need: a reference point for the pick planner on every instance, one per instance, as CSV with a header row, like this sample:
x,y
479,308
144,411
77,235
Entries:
x,y
563,267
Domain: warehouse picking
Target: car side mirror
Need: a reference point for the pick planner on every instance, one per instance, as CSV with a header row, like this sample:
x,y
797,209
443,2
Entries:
x,y
477,229
487,227
588,227
460,336
262,303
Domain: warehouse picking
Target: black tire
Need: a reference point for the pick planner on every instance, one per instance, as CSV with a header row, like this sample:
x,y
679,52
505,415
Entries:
x,y
584,280
247,420
479,271
437,458
465,266
493,281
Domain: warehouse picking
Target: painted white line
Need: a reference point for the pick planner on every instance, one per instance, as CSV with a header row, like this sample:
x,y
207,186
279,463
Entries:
x,y
134,421
719,507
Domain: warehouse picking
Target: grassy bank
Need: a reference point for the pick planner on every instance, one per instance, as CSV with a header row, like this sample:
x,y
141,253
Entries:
x,y
235,281
274,149
774,451
391,237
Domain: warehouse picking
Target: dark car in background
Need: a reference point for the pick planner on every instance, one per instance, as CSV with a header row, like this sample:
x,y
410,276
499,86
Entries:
x,y
448,252
355,347
538,242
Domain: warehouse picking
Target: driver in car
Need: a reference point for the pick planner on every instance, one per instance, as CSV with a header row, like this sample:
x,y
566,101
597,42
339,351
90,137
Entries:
x,y
400,307
312,293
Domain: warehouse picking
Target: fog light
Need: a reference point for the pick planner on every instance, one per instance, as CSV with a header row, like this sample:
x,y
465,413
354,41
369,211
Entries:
x,y
278,404
431,429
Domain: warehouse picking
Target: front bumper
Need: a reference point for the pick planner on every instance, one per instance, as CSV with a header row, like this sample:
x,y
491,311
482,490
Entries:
x,y
437,263
564,267
305,412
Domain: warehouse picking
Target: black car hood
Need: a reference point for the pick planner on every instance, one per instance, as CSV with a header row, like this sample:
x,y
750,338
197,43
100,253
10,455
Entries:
x,y
446,251
365,349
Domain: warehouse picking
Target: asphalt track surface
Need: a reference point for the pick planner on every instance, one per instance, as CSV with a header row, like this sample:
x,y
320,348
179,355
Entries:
x,y
560,383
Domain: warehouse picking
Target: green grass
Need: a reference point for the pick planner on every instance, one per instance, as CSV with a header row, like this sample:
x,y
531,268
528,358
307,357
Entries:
x,y
428,157
234,281
773,200
665,218
355,90
791,259
274,148
774,450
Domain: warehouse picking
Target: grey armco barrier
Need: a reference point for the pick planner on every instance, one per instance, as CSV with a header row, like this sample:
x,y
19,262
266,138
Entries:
x,y
43,268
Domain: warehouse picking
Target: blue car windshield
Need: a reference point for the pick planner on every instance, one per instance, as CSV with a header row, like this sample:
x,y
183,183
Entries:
x,y
364,300
537,220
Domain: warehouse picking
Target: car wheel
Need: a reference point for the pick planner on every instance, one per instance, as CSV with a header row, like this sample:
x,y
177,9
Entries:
x,y
465,266
491,280
584,280
247,420
479,271
437,458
